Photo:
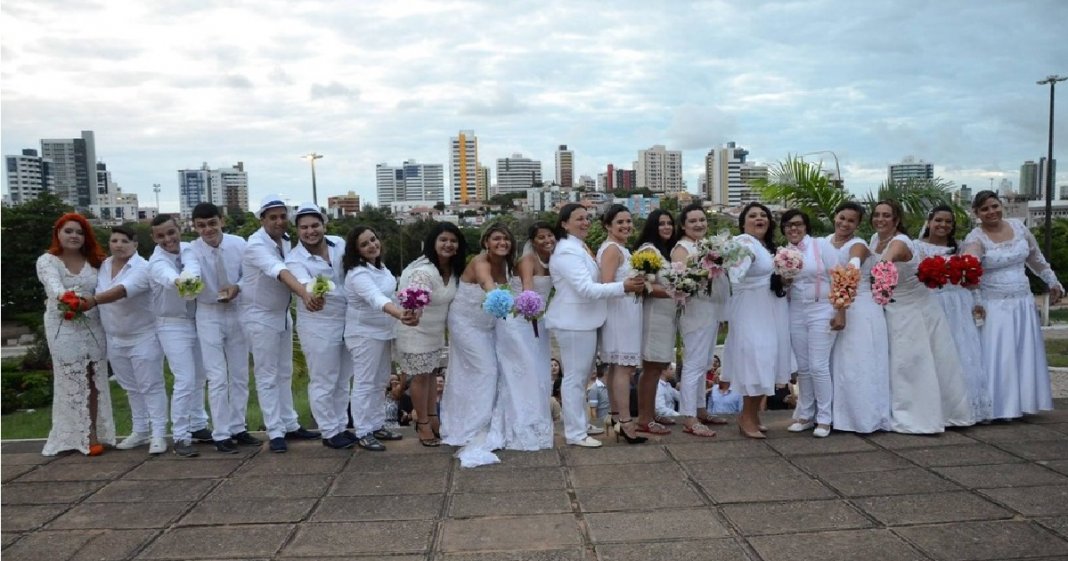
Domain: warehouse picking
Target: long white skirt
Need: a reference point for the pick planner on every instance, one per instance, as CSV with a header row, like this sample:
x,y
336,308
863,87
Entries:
x,y
1015,358
957,303
860,369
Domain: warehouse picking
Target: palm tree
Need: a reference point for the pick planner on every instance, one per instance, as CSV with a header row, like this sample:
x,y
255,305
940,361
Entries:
x,y
803,185
917,198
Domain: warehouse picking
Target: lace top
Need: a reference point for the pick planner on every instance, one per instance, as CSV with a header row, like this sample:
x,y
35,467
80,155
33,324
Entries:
x,y
1003,263
429,335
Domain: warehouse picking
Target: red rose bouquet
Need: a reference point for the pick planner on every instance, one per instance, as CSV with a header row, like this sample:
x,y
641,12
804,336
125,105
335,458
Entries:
x,y
965,270
72,305
933,271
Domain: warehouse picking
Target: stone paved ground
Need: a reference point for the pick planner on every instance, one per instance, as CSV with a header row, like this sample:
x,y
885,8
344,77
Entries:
x,y
989,492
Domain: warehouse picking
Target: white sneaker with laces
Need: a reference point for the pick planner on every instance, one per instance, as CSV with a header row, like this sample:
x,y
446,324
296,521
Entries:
x,y
158,445
800,426
822,432
134,440
594,429
588,442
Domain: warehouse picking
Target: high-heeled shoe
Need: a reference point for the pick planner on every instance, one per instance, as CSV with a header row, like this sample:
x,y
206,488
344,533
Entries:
x,y
751,434
618,425
437,431
428,442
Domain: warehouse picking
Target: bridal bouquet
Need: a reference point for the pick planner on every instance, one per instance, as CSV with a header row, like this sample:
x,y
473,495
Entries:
x,y
320,286
189,285
720,252
788,263
498,303
530,305
933,271
844,282
883,282
684,282
72,306
965,270
415,297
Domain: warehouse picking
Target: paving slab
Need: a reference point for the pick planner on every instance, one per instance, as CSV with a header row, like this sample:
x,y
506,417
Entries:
x,y
247,511
896,441
667,494
982,541
1058,524
22,518
547,501
878,460
527,479
128,458
114,545
219,542
900,510
523,555
349,483
99,545
318,540
615,527
398,463
1032,501
516,459
123,516
756,480
172,471
574,456
1012,432
966,455
378,507
13,471
23,458
806,444
124,491
624,475
276,487
725,549
76,472
1002,475
842,545
730,449
543,531
8,538
896,482
48,492
277,466
1060,427
798,516
1038,449
1059,466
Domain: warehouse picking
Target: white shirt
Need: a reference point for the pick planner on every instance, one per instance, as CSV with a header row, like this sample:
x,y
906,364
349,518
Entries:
x,y
818,257
305,267
368,289
231,249
264,298
163,270
666,396
132,317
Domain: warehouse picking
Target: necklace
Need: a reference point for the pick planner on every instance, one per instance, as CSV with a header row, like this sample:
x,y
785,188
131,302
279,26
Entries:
x,y
540,262
838,242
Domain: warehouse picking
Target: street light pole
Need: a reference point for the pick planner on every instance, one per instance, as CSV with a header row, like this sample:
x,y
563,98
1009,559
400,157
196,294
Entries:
x,y
1048,240
837,170
155,188
311,158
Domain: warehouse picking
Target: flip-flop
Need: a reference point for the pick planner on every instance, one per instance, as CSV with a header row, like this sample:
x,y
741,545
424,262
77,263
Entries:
x,y
697,429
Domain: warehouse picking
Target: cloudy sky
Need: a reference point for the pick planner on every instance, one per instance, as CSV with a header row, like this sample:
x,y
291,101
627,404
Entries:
x,y
170,84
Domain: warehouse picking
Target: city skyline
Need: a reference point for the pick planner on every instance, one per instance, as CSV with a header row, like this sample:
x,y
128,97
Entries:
x,y
951,83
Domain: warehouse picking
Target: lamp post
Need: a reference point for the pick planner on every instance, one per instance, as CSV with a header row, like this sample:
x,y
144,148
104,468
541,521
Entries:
x,y
1048,240
155,189
311,158
837,170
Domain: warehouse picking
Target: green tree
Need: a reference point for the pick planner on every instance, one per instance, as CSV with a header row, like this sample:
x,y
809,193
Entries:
x,y
803,185
917,198
27,233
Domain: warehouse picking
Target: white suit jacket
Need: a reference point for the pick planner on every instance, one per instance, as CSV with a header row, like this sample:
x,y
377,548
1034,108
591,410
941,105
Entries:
x,y
579,303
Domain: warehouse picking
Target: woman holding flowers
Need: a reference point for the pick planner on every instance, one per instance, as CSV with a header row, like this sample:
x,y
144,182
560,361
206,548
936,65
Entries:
x,y
698,324
1013,350
621,343
81,400
434,276
316,262
658,321
576,313
938,239
370,320
860,360
927,391
811,313
757,350
471,389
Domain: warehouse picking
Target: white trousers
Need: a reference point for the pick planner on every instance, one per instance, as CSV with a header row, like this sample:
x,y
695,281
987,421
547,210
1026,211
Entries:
x,y
699,347
577,352
178,337
329,373
138,367
225,355
371,360
272,363
812,341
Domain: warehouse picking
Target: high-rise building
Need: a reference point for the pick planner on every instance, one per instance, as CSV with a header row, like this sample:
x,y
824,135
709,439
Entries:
x,y
516,174
74,168
482,183
411,181
610,179
659,170
625,180
965,195
565,167
1028,180
389,184
226,188
340,206
28,175
103,179
910,170
748,172
463,166
586,182
723,175
116,207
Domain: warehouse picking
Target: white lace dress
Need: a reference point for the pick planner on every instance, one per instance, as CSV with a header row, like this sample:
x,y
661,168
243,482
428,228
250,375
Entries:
x,y
1013,350
927,390
76,346
621,339
860,360
471,378
957,302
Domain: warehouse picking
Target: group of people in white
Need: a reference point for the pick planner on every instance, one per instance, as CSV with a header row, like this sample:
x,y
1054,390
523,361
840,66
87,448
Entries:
x,y
926,360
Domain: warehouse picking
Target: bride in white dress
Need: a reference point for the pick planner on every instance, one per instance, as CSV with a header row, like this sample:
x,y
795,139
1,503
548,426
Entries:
x,y
927,390
81,399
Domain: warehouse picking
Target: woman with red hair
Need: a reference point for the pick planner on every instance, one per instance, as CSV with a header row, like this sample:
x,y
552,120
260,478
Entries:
x,y
81,401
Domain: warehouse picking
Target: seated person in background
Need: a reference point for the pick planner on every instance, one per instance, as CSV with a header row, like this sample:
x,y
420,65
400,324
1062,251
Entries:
x,y
785,395
722,400
598,401
667,397
398,403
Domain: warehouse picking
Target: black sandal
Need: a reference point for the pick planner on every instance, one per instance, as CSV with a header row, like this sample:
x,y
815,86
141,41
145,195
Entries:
x,y
437,433
428,442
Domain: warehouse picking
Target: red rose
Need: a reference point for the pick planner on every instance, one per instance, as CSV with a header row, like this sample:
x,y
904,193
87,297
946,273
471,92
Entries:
x,y
68,315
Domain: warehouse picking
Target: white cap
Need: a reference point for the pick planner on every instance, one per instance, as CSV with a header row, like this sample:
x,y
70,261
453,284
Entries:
x,y
271,201
308,207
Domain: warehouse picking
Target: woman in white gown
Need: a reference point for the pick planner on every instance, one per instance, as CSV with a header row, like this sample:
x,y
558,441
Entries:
x,y
1013,350
658,324
471,388
522,418
81,399
860,360
939,238
927,390
757,351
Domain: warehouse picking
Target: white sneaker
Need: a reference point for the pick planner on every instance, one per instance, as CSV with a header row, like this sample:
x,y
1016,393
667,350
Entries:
x,y
800,426
133,441
822,432
588,442
158,445
593,429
